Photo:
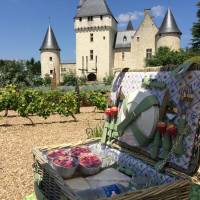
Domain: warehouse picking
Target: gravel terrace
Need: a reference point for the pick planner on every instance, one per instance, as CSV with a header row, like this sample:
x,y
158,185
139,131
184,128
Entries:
x,y
18,137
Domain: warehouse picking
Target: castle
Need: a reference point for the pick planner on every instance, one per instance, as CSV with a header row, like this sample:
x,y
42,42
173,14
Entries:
x,y
101,49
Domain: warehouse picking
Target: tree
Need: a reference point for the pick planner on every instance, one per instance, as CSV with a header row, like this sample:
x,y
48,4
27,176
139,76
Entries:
x,y
165,56
196,32
34,67
14,72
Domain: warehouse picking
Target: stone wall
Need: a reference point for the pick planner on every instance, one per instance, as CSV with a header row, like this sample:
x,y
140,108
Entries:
x,y
143,39
47,66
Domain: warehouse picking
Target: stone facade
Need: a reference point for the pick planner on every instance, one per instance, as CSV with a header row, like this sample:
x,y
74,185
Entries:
x,y
94,46
170,39
143,41
101,49
67,68
122,58
50,60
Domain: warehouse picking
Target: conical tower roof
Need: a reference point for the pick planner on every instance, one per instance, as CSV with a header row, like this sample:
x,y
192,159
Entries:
x,y
81,2
169,24
50,42
93,8
130,26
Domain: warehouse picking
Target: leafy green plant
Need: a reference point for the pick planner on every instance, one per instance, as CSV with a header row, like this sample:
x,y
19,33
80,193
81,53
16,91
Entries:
x,y
108,80
96,132
69,80
47,80
9,97
165,56
93,98
67,105
98,100
195,59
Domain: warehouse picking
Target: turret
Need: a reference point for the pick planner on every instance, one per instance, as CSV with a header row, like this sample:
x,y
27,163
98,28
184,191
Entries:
x,y
169,35
95,28
50,55
129,26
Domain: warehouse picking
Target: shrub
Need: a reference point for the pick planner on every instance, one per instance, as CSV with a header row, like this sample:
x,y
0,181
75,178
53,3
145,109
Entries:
x,y
47,80
165,56
70,80
93,98
9,98
195,59
108,80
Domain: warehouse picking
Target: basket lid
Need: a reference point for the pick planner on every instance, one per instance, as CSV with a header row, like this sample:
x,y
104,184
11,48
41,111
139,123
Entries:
x,y
176,142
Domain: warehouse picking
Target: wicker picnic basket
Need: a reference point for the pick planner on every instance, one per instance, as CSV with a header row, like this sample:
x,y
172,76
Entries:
x,y
50,186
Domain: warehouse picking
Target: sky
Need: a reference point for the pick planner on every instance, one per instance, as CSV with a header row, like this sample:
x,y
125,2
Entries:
x,y
23,23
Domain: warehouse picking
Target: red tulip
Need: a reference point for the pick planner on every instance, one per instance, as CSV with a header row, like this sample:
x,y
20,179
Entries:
x,y
161,127
172,130
114,111
108,112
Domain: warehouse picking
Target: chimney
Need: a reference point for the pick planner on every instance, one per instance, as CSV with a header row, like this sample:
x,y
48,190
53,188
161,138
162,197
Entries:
x,y
147,11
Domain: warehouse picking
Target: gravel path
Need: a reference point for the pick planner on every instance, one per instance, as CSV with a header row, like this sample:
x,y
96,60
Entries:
x,y
17,138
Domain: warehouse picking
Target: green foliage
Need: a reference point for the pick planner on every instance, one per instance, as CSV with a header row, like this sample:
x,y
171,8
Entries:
x,y
67,104
38,81
34,67
98,100
13,72
196,32
96,132
70,80
93,98
108,80
82,80
164,56
195,59
47,80
18,72
9,98
36,102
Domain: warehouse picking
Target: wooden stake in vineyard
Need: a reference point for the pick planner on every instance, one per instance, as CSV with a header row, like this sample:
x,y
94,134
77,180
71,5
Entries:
x,y
53,81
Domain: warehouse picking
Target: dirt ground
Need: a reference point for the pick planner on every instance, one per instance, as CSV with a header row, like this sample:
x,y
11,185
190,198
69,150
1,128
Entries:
x,y
18,137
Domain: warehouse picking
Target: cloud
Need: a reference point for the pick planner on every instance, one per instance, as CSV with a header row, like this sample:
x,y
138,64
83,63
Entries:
x,y
158,11
123,18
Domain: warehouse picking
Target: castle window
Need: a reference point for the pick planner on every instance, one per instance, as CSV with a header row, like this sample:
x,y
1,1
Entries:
x,y
148,54
91,37
138,39
90,18
101,17
123,56
82,62
125,39
50,59
51,71
80,19
104,37
91,54
87,63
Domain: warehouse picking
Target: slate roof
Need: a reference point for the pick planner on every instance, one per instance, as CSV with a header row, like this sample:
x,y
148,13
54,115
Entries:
x,y
50,42
169,24
123,39
93,8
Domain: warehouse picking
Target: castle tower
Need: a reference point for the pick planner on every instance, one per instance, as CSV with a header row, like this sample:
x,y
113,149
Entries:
x,y
95,29
169,34
50,55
